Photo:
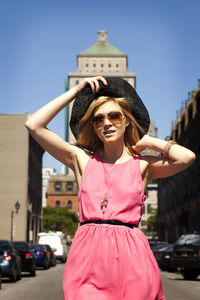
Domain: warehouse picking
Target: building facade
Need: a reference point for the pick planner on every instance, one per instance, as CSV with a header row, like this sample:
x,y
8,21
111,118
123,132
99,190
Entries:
x,y
46,174
102,59
62,192
179,195
20,180
151,203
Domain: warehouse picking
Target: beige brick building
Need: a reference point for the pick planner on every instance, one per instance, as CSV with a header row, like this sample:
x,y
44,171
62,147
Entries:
x,y
103,59
20,179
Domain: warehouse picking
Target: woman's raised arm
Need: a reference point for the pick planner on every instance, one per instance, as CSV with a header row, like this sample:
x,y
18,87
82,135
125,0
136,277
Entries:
x,y
37,124
176,158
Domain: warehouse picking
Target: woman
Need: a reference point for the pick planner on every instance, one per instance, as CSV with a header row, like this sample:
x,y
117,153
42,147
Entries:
x,y
110,258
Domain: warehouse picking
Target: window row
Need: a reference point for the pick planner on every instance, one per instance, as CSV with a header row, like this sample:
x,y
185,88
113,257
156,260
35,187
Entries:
x,y
102,65
58,186
69,204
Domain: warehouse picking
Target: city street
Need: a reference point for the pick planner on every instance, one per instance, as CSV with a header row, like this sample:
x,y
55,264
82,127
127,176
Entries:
x,y
176,288
47,285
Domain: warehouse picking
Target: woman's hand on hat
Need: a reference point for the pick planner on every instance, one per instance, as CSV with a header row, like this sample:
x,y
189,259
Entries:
x,y
93,82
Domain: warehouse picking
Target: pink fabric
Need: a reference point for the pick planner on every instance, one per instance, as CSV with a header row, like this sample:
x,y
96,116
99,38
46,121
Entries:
x,y
110,262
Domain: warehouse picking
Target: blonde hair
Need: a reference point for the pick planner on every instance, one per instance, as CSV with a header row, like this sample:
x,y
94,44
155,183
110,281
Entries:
x,y
88,139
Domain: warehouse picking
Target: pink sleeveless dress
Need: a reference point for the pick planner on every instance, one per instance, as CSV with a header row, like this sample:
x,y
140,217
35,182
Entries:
x,y
111,262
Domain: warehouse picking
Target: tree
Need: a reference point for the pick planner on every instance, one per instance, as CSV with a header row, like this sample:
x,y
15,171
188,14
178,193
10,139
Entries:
x,y
152,222
60,219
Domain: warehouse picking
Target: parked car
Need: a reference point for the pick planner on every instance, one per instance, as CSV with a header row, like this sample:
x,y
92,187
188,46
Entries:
x,y
0,278
10,261
52,256
68,244
42,257
27,257
156,246
164,258
186,255
56,241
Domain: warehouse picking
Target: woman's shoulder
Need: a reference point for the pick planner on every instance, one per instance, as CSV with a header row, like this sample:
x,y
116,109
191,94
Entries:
x,y
145,160
82,153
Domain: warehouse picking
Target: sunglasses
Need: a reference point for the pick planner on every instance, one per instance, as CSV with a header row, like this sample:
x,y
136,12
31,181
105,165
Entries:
x,y
115,117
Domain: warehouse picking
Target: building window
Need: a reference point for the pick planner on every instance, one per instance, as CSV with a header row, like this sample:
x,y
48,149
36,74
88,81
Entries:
x,y
148,208
117,65
69,205
57,186
183,124
57,203
77,82
109,65
198,104
94,65
86,65
69,186
176,134
101,65
190,113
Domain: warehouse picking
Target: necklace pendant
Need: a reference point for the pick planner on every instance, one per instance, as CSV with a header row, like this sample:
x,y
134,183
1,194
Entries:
x,y
104,202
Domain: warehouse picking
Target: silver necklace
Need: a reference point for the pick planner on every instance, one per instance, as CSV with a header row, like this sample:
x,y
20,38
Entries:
x,y
104,202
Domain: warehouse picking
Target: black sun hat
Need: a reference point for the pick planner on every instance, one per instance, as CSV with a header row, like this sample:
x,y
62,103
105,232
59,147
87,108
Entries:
x,y
116,87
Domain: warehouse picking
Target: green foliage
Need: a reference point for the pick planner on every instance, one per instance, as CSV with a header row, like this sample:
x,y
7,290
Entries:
x,y
60,219
151,221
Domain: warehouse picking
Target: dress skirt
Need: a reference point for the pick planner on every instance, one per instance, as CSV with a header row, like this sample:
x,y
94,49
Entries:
x,y
110,262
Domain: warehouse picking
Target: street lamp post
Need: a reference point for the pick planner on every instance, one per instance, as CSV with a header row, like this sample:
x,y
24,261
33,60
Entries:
x,y
17,207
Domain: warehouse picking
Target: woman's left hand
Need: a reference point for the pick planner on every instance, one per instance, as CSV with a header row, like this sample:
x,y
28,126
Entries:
x,y
141,144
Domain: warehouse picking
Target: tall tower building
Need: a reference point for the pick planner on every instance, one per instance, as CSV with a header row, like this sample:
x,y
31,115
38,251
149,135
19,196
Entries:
x,y
103,59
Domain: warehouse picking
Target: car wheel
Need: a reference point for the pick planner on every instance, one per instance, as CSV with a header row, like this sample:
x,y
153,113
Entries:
x,y
32,273
190,275
13,277
64,260
46,265
19,275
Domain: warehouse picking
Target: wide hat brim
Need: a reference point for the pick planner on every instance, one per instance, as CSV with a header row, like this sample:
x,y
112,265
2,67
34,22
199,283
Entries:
x,y
116,87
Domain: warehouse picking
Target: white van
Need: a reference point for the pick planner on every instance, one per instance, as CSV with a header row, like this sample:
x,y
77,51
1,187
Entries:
x,y
56,241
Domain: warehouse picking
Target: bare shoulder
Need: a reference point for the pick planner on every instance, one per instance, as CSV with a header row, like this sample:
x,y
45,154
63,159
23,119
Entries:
x,y
147,161
144,163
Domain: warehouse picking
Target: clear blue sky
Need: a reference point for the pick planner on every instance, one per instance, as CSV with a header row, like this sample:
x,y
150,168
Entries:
x,y
40,40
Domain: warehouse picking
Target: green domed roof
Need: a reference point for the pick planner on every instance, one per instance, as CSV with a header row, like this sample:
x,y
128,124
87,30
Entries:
x,y
102,49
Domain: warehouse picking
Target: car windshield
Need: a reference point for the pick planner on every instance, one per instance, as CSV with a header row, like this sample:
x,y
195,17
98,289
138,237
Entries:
x,y
189,239
20,246
4,245
37,247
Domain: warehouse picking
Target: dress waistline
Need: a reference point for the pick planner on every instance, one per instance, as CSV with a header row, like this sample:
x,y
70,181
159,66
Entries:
x,y
111,222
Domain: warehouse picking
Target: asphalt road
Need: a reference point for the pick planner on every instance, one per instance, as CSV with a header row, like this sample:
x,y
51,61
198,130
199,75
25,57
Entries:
x,y
47,285
176,288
